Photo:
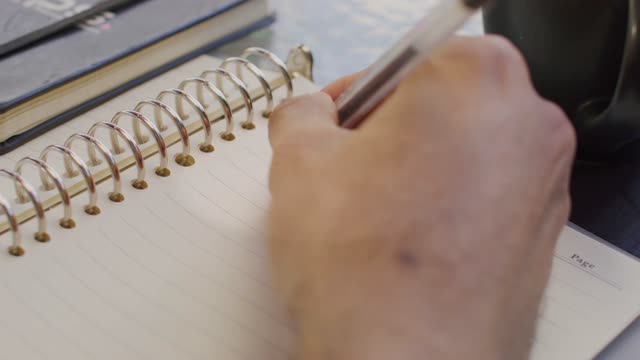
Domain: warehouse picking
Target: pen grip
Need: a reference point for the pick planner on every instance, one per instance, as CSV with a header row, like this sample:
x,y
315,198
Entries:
x,y
371,89
381,79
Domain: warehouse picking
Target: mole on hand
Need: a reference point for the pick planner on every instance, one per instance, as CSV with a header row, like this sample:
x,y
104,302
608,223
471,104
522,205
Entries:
x,y
407,258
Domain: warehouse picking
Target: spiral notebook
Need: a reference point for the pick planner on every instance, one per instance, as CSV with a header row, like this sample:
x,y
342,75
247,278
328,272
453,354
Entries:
x,y
142,237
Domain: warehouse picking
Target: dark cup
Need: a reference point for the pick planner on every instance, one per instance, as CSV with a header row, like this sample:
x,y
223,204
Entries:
x,y
585,56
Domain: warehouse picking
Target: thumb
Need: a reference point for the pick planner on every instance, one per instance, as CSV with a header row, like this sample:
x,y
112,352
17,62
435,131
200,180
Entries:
x,y
336,88
303,118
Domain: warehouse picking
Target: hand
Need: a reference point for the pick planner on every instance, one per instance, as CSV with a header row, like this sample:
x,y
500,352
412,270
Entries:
x,y
428,233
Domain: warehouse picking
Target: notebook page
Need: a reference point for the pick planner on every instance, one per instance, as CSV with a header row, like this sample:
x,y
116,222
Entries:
x,y
177,271
180,271
593,295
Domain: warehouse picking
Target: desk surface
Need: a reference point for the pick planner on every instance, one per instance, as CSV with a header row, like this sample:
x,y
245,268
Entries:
x,y
346,36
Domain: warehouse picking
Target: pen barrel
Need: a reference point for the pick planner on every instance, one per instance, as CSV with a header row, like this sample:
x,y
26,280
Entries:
x,y
381,79
373,88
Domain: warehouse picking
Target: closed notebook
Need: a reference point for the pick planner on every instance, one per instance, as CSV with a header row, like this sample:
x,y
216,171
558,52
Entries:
x,y
53,80
167,258
25,21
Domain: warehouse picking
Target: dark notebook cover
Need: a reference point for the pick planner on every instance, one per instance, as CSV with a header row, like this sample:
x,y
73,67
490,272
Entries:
x,y
76,52
25,21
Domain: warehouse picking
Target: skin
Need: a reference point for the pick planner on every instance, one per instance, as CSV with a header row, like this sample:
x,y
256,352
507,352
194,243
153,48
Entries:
x,y
427,233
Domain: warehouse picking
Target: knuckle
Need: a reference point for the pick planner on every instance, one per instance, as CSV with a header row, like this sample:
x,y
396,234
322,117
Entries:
x,y
293,107
279,114
493,55
283,110
501,47
498,50
559,132
488,61
563,204
283,121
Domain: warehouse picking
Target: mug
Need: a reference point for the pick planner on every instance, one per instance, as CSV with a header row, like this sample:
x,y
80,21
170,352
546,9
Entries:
x,y
583,55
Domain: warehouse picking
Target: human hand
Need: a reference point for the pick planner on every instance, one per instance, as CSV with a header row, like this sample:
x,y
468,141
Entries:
x,y
429,231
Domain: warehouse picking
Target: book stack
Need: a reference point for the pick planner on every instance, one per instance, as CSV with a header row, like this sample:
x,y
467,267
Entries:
x,y
53,68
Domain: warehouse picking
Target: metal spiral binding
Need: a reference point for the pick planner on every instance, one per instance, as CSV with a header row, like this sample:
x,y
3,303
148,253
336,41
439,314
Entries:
x,y
41,235
92,208
92,144
299,63
240,85
139,183
183,159
268,91
67,221
275,61
228,114
15,249
207,145
163,170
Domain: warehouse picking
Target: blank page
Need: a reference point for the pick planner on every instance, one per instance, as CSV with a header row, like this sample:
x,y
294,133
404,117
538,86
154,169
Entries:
x,y
180,270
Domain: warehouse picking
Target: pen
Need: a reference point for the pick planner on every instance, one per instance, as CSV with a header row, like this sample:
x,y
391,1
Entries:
x,y
368,91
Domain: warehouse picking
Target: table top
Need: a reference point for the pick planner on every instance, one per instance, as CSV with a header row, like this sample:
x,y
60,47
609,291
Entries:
x,y
346,36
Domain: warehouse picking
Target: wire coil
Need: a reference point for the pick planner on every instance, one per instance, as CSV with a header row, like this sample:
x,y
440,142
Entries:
x,y
75,165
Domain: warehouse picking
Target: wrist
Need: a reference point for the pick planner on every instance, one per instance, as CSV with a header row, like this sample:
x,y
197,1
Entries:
x,y
398,335
390,313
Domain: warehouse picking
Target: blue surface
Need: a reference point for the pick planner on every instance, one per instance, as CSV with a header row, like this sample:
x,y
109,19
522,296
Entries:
x,y
345,36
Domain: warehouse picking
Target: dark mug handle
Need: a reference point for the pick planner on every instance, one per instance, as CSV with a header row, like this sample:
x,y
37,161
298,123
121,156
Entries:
x,y
606,126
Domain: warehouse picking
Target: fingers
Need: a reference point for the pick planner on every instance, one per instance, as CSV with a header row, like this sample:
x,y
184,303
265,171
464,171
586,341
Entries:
x,y
300,130
491,56
484,74
336,88
302,118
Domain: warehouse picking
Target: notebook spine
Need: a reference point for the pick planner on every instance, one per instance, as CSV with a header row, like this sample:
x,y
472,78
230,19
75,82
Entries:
x,y
299,63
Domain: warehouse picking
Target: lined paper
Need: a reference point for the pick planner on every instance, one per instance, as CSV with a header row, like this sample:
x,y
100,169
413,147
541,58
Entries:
x,y
180,270
593,295
176,271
